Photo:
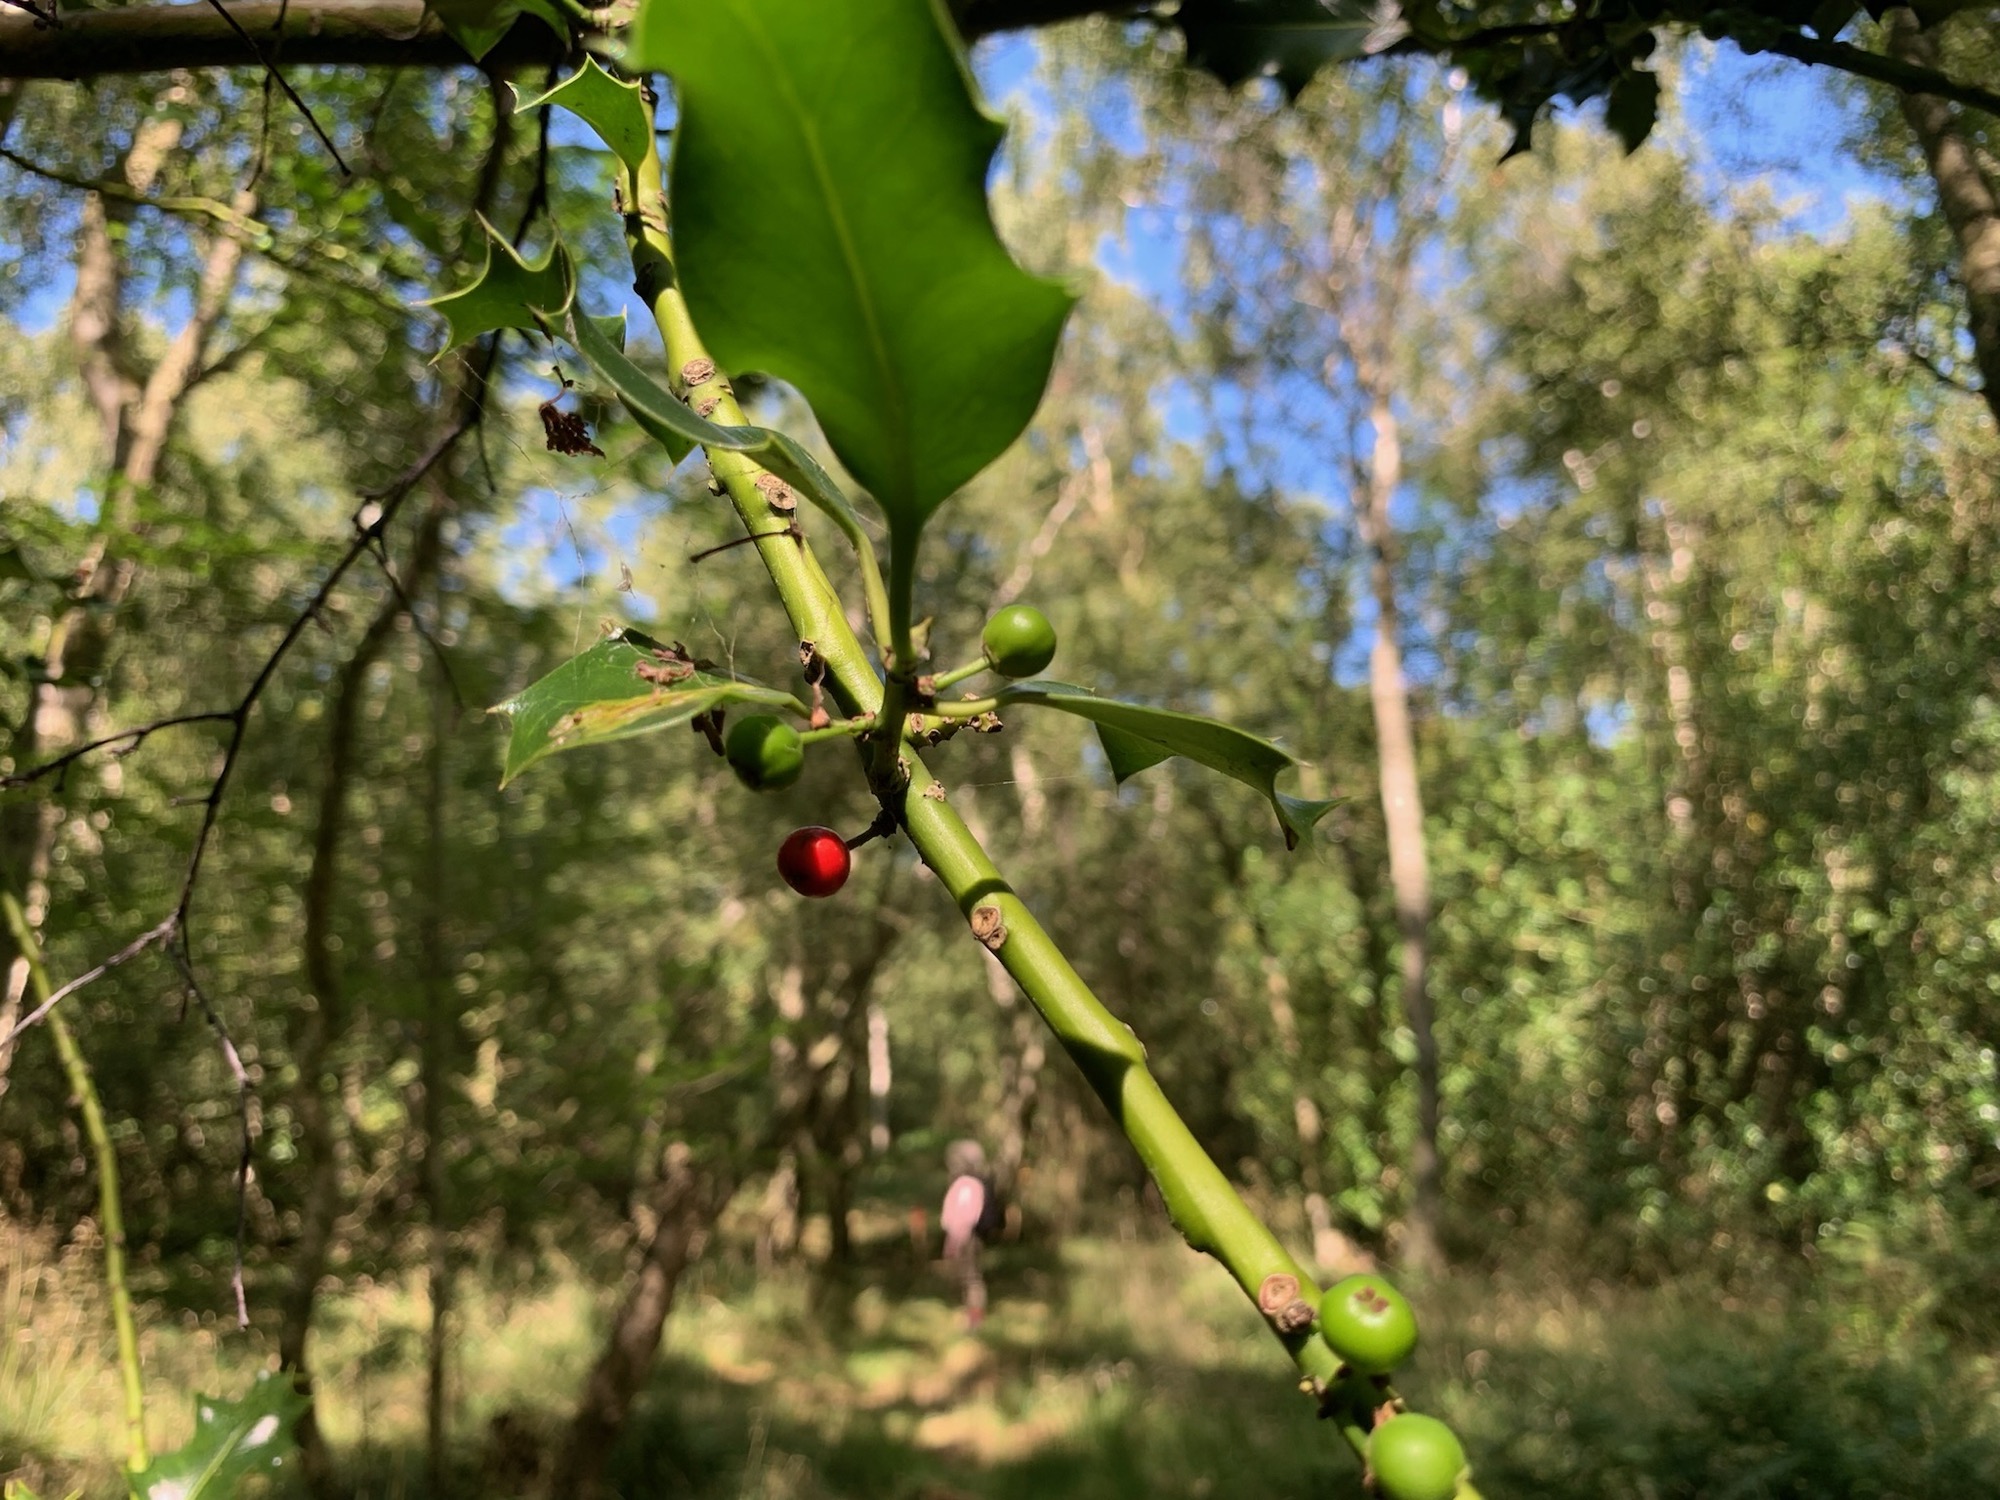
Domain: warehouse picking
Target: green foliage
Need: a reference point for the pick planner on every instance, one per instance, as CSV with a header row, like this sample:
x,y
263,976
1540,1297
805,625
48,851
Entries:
x,y
509,292
478,25
628,684
233,1442
1136,738
831,228
1699,560
1289,40
615,109
679,430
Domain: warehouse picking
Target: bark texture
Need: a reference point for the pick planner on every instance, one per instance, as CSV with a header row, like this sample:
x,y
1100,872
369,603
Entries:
x,y
686,1201
1968,197
135,408
315,1031
355,33
1403,820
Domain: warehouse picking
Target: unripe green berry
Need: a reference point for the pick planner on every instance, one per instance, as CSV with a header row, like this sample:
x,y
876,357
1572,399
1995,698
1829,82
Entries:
x,y
1414,1457
1019,641
765,752
1368,1323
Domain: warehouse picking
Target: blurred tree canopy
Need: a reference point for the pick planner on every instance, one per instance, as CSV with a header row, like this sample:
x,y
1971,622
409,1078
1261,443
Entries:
x,y
1690,554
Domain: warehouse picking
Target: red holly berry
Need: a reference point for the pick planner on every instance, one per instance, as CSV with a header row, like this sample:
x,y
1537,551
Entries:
x,y
814,861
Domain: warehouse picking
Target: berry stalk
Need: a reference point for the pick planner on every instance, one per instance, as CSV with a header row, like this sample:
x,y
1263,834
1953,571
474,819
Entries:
x,y
1204,1205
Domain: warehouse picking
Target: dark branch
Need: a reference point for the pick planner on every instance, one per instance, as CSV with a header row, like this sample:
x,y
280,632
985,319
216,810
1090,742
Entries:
x,y
380,553
977,18
354,33
369,524
272,75
250,232
126,740
403,34
244,1092
153,38
1905,77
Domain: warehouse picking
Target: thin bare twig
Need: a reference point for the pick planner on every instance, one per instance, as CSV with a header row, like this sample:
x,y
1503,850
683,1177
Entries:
x,y
185,961
138,945
263,156
252,233
538,196
369,522
381,555
127,740
271,71
794,531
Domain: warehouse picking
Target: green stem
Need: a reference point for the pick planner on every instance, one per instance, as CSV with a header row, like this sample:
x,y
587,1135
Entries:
x,y
873,595
964,708
1205,1207
109,1207
957,675
843,729
900,668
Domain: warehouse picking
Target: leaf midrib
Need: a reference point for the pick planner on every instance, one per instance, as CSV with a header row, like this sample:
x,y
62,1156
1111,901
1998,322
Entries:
x,y
897,410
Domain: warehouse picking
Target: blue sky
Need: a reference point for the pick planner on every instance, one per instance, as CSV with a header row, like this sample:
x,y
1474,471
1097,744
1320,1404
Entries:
x,y
1745,120
1766,125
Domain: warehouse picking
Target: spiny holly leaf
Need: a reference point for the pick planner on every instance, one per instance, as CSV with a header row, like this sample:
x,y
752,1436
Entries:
x,y
671,423
627,684
1289,40
509,292
830,225
614,110
478,25
1136,737
232,1441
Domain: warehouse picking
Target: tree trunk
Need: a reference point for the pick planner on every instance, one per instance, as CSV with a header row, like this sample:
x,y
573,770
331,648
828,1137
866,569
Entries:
x,y
440,1018
687,1200
135,418
1969,198
880,1079
1403,817
315,1031
1021,1068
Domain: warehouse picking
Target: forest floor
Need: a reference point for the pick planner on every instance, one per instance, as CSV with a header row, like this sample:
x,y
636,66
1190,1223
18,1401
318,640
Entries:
x,y
1107,1368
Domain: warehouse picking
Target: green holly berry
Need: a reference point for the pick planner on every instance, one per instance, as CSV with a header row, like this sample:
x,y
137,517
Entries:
x,y
1414,1457
1019,641
765,752
1368,1323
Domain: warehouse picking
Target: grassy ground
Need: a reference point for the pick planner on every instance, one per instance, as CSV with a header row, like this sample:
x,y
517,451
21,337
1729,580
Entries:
x,y
1107,1369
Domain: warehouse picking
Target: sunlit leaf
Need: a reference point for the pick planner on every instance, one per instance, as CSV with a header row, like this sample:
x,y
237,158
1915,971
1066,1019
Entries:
x,y
627,684
613,109
233,1441
478,25
670,422
1136,737
509,292
831,228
